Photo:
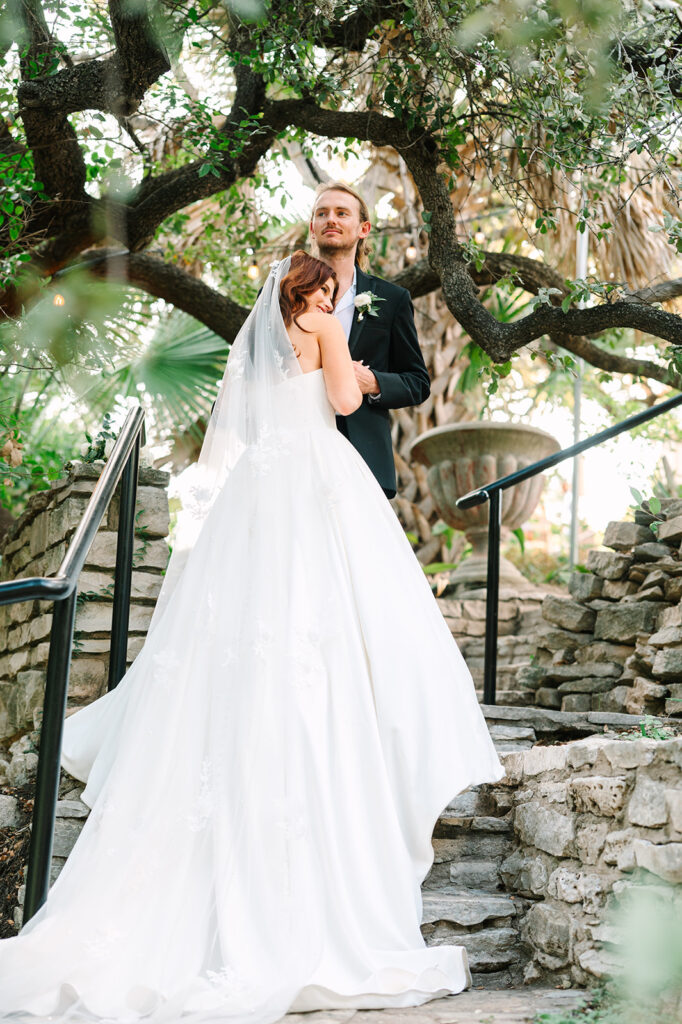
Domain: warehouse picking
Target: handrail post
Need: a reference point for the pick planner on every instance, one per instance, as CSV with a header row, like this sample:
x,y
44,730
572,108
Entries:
x,y
492,596
125,542
49,755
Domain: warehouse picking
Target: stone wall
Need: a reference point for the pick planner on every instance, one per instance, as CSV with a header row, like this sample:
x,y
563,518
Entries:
x,y
616,643
592,818
35,546
519,618
527,870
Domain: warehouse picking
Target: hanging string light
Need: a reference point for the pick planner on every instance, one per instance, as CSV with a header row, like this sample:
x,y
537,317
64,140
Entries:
x,y
411,252
58,300
253,271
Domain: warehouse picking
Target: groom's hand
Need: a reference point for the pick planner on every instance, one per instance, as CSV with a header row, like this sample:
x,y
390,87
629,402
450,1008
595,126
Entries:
x,y
367,382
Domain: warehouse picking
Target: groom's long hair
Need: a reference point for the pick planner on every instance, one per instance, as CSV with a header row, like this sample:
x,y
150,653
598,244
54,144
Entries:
x,y
306,275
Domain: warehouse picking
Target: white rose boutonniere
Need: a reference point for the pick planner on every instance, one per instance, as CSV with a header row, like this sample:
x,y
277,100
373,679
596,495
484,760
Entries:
x,y
366,302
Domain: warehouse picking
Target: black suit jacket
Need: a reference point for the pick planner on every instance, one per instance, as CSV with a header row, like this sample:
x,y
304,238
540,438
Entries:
x,y
388,345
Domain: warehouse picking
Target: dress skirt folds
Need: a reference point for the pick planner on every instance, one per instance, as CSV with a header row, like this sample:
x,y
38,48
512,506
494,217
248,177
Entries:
x,y
265,779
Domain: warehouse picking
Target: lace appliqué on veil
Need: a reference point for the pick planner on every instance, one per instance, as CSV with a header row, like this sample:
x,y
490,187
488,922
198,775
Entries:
x,y
228,982
103,942
266,452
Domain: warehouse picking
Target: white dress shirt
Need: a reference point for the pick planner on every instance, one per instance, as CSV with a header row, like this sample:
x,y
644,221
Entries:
x,y
346,307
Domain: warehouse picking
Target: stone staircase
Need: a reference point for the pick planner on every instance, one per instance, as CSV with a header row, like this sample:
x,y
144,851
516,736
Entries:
x,y
462,901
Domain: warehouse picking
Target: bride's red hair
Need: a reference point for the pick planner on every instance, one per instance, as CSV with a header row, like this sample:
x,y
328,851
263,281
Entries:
x,y
306,275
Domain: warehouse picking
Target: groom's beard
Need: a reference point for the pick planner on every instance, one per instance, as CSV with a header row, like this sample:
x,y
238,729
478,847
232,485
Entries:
x,y
326,252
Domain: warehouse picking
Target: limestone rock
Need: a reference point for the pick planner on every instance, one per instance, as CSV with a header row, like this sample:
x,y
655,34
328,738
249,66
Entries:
x,y
613,700
588,685
584,585
672,589
598,794
576,702
466,909
475,874
671,530
622,536
573,886
616,589
541,759
618,847
549,927
9,811
622,623
558,639
529,677
666,636
548,697
568,614
590,841
610,565
630,753
525,874
645,697
600,963
602,669
664,860
545,828
647,805
674,801
651,551
601,650
668,664
648,594
66,832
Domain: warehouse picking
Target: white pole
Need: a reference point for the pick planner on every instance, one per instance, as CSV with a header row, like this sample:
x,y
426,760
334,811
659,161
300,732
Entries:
x,y
581,252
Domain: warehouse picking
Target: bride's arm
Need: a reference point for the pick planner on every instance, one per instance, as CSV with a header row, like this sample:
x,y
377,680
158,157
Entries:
x,y
337,366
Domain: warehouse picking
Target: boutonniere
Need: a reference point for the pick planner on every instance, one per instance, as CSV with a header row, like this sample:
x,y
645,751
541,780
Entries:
x,y
366,302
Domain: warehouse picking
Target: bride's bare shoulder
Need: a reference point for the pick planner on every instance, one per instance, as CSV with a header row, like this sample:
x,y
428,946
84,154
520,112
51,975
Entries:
x,y
319,322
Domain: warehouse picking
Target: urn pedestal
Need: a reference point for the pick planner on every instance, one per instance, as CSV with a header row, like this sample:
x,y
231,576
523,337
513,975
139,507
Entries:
x,y
462,457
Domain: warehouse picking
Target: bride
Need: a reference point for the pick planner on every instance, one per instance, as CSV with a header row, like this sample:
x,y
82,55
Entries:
x,y
265,779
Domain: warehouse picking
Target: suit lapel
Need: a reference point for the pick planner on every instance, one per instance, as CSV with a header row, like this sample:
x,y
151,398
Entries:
x,y
363,284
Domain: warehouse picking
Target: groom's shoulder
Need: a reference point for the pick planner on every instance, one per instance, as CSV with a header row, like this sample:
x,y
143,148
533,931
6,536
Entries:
x,y
394,293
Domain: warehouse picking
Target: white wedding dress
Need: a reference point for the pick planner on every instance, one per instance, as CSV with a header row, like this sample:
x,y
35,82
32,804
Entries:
x,y
265,779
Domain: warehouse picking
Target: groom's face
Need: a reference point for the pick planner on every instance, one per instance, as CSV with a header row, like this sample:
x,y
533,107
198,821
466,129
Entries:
x,y
336,223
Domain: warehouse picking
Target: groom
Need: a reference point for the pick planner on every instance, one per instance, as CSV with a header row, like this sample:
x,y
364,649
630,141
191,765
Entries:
x,y
389,366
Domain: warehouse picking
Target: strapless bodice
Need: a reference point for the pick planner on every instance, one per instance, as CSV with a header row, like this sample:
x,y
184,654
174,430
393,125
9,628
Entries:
x,y
302,402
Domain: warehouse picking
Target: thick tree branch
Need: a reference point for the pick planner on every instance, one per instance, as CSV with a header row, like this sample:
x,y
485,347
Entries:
x,y
115,85
352,33
446,255
611,362
176,286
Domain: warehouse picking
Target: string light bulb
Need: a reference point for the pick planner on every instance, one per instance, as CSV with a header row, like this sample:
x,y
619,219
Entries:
x,y
411,253
253,271
58,299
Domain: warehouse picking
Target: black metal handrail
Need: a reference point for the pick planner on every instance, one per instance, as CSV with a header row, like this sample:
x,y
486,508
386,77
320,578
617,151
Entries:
x,y
491,492
123,465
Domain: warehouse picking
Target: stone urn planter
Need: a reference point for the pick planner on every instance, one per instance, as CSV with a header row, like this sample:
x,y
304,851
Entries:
x,y
462,457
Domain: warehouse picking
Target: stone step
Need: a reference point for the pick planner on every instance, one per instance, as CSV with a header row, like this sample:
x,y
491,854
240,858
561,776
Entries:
x,y
467,908
480,921
511,698
508,738
476,874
